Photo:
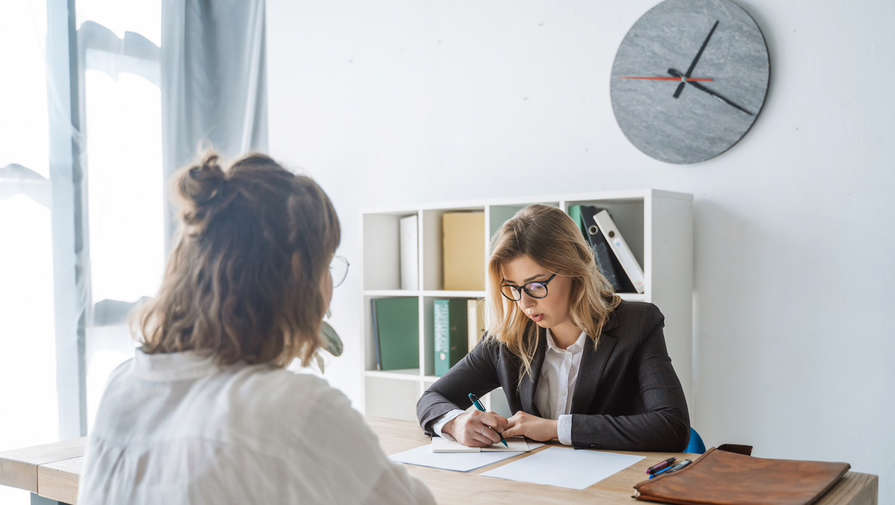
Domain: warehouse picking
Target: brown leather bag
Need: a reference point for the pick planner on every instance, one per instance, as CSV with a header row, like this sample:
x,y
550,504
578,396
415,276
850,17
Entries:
x,y
724,478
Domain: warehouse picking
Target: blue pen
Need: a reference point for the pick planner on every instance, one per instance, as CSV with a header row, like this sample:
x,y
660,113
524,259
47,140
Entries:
x,y
475,401
671,469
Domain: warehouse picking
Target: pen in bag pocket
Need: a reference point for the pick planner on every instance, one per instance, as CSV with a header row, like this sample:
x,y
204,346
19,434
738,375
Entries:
x,y
665,463
672,469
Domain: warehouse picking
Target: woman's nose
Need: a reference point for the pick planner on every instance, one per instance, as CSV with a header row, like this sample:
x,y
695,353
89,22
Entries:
x,y
527,301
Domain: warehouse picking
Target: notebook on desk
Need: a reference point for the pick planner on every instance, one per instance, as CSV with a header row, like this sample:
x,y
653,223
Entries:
x,y
442,445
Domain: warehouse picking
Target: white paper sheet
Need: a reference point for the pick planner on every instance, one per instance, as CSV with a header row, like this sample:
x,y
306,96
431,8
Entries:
x,y
565,467
440,445
456,461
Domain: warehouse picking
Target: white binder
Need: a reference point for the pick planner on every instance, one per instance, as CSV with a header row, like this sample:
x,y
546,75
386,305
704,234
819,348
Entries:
x,y
475,313
622,251
409,253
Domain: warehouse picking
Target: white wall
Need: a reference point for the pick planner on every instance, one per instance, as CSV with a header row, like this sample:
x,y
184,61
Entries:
x,y
398,103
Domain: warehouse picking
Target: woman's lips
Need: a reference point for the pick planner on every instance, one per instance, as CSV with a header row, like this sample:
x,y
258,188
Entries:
x,y
537,317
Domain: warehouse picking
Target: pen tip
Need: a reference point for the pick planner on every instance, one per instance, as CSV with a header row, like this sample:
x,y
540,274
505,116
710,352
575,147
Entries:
x,y
505,444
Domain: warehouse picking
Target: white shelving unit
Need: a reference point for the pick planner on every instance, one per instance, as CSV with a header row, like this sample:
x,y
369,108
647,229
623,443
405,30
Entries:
x,y
658,226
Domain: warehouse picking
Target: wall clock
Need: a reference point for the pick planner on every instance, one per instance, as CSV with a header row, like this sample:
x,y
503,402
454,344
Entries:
x,y
689,79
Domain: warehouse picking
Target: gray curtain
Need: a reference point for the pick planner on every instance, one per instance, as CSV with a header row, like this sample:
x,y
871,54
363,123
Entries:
x,y
213,80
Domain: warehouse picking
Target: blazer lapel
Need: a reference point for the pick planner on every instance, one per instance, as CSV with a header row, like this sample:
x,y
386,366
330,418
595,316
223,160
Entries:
x,y
530,382
593,361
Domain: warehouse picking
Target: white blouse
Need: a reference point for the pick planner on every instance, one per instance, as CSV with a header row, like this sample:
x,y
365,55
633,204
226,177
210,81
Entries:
x,y
178,429
556,385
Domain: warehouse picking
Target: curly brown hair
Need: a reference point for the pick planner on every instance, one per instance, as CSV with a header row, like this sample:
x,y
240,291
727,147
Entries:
x,y
243,282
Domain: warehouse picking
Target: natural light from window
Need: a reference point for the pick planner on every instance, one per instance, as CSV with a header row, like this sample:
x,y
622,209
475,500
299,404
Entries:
x,y
29,410
125,183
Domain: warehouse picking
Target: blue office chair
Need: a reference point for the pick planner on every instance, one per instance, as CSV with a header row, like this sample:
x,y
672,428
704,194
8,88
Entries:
x,y
695,445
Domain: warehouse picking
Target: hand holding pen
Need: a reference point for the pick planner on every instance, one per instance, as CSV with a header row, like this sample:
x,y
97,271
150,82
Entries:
x,y
475,401
476,428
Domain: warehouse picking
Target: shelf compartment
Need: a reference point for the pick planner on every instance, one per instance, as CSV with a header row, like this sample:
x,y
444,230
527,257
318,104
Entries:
x,y
428,344
390,397
371,343
382,250
432,245
628,215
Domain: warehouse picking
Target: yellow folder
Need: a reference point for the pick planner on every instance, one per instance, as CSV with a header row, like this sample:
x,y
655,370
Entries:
x,y
464,250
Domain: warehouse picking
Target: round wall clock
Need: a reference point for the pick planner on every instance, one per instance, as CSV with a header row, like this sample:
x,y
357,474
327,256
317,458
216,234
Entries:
x,y
689,79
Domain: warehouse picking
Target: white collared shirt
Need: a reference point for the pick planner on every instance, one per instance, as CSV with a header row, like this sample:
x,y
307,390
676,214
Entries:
x,y
178,429
555,389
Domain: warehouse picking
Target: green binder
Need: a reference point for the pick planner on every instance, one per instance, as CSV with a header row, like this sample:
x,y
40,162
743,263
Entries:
x,y
575,214
450,328
396,323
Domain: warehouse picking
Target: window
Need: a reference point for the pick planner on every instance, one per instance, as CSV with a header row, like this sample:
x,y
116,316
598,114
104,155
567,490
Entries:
x,y
119,44
28,412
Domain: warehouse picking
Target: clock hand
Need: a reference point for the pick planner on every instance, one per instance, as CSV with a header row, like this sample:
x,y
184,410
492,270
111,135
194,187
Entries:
x,y
675,79
700,87
680,87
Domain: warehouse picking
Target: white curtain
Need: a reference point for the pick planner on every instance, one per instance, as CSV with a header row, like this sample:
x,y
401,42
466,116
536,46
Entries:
x,y
81,168
162,77
40,274
213,75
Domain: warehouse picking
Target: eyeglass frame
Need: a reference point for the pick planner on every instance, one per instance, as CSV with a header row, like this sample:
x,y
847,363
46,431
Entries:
x,y
338,282
519,289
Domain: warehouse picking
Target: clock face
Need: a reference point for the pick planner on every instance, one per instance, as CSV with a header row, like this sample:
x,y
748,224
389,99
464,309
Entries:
x,y
689,79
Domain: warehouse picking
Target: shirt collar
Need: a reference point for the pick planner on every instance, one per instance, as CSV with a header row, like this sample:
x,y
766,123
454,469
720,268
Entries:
x,y
575,348
173,366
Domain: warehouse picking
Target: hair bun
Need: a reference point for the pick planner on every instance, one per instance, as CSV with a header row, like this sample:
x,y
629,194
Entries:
x,y
200,188
202,182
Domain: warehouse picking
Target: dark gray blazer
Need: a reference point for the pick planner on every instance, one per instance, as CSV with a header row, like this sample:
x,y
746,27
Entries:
x,y
627,396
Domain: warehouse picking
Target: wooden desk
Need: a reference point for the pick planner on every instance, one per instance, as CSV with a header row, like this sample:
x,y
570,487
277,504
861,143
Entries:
x,y
51,471
471,489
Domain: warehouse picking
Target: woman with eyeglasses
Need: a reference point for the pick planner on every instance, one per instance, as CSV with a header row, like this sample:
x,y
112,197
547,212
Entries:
x,y
577,363
206,412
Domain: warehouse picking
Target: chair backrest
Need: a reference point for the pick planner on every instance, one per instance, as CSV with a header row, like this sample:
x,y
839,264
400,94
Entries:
x,y
695,446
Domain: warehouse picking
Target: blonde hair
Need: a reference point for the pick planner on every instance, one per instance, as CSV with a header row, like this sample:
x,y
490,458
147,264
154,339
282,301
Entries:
x,y
243,282
550,237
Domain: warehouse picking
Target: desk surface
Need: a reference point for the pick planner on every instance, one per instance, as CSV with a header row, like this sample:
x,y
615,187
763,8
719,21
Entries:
x,y
52,471
470,488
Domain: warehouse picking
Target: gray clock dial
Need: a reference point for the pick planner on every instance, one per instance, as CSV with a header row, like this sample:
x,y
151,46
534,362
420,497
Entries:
x,y
689,79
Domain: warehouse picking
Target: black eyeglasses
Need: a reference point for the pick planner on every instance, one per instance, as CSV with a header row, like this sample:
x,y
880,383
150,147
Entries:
x,y
532,289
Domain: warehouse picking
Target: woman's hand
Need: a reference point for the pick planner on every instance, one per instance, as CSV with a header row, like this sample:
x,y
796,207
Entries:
x,y
523,424
476,428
